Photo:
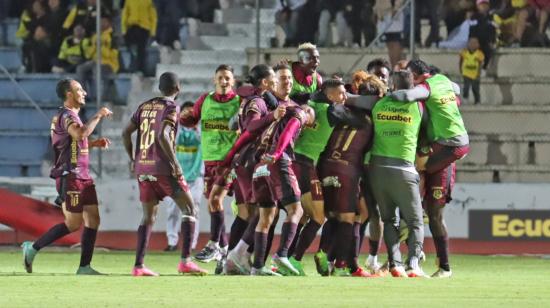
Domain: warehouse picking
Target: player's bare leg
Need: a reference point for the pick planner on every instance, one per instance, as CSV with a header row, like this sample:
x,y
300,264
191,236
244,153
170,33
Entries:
x,y
148,219
185,203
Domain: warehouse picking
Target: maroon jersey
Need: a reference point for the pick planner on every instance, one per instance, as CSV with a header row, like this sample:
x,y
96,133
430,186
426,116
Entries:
x,y
149,118
70,155
269,139
348,144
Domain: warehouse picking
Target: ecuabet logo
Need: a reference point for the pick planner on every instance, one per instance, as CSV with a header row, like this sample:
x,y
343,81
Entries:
x,y
508,225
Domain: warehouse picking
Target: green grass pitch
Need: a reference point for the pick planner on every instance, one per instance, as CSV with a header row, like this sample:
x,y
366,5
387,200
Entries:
x,y
478,281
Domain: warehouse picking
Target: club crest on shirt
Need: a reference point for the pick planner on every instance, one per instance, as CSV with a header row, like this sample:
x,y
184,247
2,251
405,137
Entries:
x,y
437,192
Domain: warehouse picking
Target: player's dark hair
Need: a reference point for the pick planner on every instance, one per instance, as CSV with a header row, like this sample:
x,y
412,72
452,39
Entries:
x,y
168,83
225,67
331,84
434,70
418,67
187,104
401,80
378,62
281,66
257,73
63,86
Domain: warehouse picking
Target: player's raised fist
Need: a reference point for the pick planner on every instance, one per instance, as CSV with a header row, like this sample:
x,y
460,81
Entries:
x,y
104,112
280,112
102,143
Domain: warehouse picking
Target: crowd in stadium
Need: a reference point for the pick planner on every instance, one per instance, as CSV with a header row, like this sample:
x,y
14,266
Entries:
x,y
58,35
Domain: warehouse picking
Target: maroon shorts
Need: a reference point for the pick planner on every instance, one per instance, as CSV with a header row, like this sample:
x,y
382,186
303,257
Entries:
x,y
340,186
211,178
76,193
439,186
244,185
280,186
443,155
154,190
306,173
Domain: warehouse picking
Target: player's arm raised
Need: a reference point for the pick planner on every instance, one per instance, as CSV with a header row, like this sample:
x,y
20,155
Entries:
x,y
80,132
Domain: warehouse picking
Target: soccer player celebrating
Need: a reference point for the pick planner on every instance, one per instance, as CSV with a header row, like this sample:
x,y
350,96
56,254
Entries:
x,y
449,142
380,68
306,79
158,171
258,110
214,111
394,179
72,175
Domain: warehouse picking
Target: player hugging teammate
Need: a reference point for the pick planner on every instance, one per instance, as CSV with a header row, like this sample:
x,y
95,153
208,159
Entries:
x,y
332,156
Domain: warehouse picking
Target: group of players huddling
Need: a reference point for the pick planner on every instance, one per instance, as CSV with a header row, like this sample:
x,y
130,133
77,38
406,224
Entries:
x,y
379,151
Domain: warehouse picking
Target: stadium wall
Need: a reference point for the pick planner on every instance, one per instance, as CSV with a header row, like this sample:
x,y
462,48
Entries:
x,y
481,218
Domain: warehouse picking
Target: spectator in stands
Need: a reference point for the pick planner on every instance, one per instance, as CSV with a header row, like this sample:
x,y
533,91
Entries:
x,y
109,60
542,10
72,52
471,61
287,17
37,45
359,16
333,11
511,21
139,23
84,13
392,24
483,28
56,17
455,12
168,28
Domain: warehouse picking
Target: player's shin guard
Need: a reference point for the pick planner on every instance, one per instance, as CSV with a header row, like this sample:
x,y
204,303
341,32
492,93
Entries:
x,y
306,238
344,235
260,246
327,234
288,233
237,230
143,236
87,246
187,232
56,232
216,223
270,236
442,250
295,240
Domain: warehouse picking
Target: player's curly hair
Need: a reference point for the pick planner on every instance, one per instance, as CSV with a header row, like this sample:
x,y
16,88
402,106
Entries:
x,y
306,46
367,84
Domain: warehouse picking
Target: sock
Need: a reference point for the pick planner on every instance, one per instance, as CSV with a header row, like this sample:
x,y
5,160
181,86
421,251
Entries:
x,y
326,234
87,244
373,247
260,245
288,232
306,238
248,236
355,248
270,236
362,231
237,230
442,250
216,222
187,231
344,235
295,240
143,235
56,232
223,234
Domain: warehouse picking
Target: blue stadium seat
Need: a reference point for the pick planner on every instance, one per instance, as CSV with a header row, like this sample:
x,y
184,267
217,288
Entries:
x,y
10,58
16,117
